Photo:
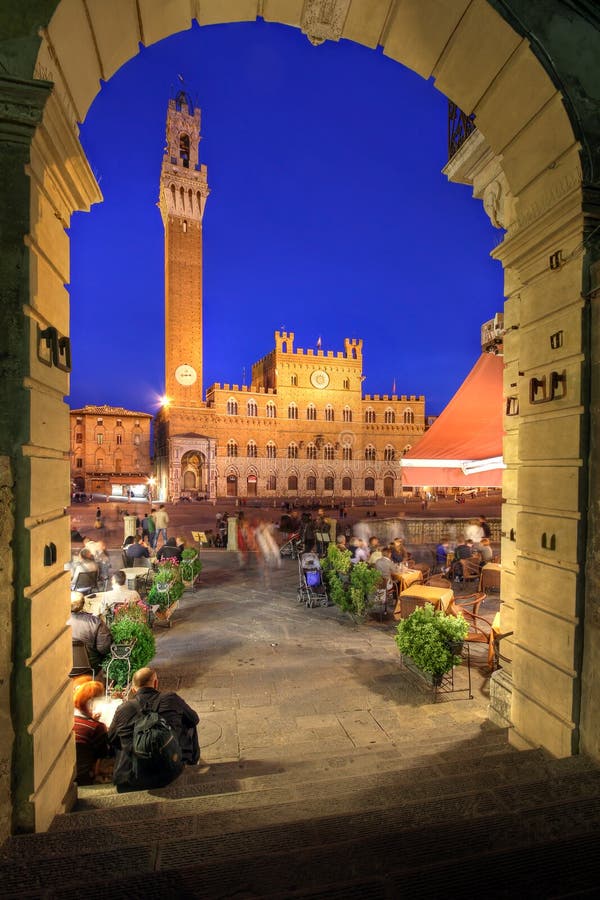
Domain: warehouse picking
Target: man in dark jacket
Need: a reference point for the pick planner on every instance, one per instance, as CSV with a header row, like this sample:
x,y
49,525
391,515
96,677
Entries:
x,y
90,630
176,713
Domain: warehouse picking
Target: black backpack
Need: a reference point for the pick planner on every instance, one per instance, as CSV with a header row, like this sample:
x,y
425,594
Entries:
x,y
156,752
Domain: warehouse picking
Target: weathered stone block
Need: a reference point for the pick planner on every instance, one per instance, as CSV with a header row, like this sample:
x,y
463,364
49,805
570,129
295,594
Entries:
x,y
49,485
474,55
550,439
521,88
553,538
538,725
547,586
419,31
549,636
50,610
116,32
552,487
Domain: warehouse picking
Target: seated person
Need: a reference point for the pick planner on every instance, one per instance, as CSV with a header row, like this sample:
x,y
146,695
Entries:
x,y
85,563
359,550
463,551
441,554
374,550
137,549
170,550
91,735
90,630
128,540
119,592
175,711
485,550
385,565
399,551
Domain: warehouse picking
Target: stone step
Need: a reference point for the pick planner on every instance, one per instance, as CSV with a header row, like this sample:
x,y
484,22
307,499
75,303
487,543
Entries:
x,y
370,848
306,778
501,789
317,765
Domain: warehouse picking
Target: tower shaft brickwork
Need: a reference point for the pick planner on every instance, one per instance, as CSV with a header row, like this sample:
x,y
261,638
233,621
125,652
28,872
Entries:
x,y
183,193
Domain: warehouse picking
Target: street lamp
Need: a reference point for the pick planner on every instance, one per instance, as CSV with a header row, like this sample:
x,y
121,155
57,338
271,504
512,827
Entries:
x,y
151,483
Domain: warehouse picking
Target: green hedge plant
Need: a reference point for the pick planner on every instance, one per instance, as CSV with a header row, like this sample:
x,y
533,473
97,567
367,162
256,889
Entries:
x,y
125,630
429,638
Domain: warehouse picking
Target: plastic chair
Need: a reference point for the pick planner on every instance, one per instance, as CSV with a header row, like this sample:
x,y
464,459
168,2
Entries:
x,y
81,660
86,582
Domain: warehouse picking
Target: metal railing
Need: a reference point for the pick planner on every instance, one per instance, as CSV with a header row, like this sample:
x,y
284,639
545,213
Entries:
x,y
460,126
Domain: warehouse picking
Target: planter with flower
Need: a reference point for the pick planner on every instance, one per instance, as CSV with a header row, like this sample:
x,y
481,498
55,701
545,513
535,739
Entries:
x,y
430,642
166,590
133,647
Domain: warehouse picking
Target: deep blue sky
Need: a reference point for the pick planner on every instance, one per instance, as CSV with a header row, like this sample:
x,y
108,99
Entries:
x,y
328,215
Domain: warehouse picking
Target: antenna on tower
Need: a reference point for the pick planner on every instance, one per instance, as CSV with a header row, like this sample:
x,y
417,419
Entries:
x,y
244,376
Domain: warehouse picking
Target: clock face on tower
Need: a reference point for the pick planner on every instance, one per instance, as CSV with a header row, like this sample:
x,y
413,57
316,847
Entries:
x,y
185,375
319,379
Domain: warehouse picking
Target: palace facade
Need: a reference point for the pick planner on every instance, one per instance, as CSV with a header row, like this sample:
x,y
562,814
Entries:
x,y
110,451
302,428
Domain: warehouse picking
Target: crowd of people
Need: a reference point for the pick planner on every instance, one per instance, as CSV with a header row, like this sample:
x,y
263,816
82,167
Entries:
x,y
475,545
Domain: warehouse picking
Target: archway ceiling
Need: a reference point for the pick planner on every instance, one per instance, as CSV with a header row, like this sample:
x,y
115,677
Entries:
x,y
475,58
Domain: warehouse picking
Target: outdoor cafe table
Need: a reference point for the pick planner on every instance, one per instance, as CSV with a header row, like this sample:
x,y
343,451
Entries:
x,y
440,597
490,577
405,579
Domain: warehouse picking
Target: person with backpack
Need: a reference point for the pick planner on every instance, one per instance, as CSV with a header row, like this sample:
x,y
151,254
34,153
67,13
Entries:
x,y
154,735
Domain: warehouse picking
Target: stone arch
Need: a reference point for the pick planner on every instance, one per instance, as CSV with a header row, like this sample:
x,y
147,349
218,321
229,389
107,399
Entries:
x,y
480,61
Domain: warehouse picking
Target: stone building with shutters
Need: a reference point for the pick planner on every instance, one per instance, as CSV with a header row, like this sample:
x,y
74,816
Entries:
x,y
110,451
302,428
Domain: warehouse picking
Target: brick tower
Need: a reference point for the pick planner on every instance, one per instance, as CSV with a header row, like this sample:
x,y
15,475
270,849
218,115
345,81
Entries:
x,y
183,193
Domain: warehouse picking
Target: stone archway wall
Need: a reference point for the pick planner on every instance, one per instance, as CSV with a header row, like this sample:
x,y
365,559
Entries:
x,y
484,65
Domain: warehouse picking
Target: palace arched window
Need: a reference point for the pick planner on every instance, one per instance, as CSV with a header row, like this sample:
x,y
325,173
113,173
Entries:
x,y
389,416
347,414
232,407
272,483
370,415
232,448
389,454
294,381
271,450
346,483
311,412
328,483
252,408
406,449
271,411
346,384
311,483
292,451
347,452
311,451
370,453
251,450
292,411
293,483
329,451
369,483
329,413
408,417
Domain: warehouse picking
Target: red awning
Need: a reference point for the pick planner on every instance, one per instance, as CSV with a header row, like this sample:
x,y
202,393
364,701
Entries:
x,y
463,447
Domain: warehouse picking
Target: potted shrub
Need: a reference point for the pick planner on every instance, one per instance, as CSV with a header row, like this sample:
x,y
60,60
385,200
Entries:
x,y
128,630
432,641
190,566
167,586
350,586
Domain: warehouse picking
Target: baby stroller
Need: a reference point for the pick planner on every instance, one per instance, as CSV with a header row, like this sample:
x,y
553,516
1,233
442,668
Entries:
x,y
311,587
292,547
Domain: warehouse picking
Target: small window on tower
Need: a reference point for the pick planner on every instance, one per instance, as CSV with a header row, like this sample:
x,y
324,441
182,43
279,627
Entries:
x,y
184,150
184,226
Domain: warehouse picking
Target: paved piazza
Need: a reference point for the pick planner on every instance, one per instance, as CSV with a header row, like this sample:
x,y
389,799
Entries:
x,y
273,680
